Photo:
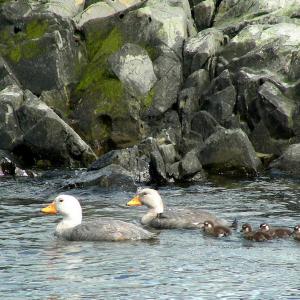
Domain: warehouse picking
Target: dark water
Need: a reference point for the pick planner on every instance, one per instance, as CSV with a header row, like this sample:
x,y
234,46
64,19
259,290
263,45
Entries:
x,y
182,264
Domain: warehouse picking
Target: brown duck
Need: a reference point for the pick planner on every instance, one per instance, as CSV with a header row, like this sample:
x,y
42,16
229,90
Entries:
x,y
275,232
296,232
257,236
215,230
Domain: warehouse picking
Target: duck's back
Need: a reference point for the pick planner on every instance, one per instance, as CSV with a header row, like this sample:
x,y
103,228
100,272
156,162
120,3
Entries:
x,y
107,230
184,219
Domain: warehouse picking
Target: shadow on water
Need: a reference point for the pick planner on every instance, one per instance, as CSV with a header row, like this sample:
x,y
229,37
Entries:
x,y
180,264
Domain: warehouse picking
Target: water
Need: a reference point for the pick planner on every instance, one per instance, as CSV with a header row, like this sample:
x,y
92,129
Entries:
x,y
182,264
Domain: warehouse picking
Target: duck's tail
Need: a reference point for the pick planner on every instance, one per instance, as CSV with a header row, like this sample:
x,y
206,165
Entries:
x,y
234,224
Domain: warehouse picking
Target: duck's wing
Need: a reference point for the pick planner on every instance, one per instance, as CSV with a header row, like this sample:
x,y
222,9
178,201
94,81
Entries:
x,y
108,230
185,218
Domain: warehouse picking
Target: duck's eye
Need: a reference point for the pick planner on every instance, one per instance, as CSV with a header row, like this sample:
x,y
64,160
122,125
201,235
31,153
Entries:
x,y
61,200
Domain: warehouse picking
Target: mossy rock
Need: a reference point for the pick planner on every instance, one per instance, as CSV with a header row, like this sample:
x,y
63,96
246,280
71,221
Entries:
x,y
25,43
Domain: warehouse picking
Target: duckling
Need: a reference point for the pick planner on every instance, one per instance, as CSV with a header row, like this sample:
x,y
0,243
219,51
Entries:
x,y
215,230
296,232
257,236
276,232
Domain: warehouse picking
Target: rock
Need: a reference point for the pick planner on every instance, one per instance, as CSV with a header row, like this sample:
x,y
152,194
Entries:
x,y
112,177
11,99
232,16
199,50
65,8
204,13
168,153
198,80
92,16
221,104
157,168
190,165
7,78
204,124
230,152
47,137
276,111
131,159
289,161
132,65
40,44
32,131
263,142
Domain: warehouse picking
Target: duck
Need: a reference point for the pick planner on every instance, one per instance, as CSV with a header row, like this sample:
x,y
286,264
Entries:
x,y
215,230
275,232
257,236
296,232
160,218
73,229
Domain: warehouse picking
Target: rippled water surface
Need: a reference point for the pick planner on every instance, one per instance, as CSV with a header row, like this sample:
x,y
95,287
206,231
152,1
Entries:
x,y
181,264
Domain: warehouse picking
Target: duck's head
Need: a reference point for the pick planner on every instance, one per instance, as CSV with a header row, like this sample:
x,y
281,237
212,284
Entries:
x,y
246,228
66,205
264,227
208,225
150,198
297,228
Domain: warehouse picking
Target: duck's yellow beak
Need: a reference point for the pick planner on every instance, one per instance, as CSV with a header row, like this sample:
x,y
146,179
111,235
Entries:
x,y
50,209
136,201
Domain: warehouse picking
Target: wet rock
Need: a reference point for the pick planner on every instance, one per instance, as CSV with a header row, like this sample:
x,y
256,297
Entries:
x,y
132,65
131,159
199,50
7,78
168,153
198,80
111,177
289,161
230,152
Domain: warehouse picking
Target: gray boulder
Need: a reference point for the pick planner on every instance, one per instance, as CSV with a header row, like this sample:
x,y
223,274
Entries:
x,y
32,131
289,161
40,44
204,124
132,65
131,159
65,8
199,50
190,165
204,13
232,16
230,152
11,99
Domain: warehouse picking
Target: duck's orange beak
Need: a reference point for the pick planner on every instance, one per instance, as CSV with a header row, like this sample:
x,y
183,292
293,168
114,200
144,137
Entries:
x,y
50,209
136,201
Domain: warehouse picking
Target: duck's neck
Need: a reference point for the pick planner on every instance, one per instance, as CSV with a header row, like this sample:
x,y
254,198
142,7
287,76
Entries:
x,y
68,223
152,214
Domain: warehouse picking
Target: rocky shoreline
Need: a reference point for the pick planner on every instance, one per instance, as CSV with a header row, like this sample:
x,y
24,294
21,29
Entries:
x,y
150,91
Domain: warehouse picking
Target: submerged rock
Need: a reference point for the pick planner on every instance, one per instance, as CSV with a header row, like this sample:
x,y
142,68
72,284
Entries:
x,y
112,177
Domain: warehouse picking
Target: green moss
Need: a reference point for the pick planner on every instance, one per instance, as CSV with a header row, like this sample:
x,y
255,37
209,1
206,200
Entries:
x,y
36,29
15,54
148,100
153,52
23,44
96,81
